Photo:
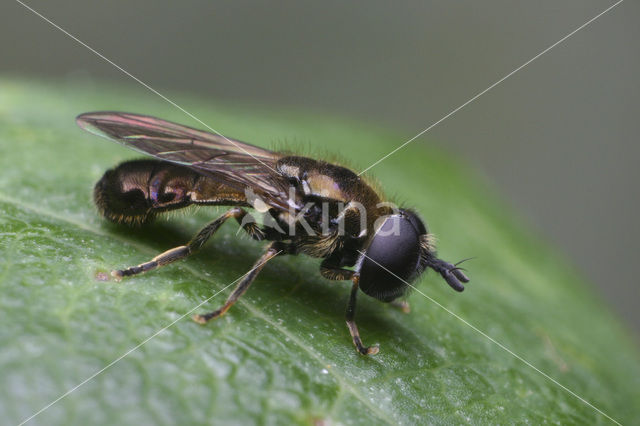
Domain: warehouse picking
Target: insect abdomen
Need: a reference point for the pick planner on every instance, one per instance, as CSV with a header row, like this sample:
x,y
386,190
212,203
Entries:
x,y
135,191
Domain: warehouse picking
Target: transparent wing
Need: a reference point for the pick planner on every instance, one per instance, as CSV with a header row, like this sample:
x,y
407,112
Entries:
x,y
235,163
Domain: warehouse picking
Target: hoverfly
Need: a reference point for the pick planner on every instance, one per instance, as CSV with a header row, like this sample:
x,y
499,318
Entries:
x,y
313,207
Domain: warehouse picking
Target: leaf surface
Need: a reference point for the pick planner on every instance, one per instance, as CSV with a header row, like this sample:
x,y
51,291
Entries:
x,y
283,353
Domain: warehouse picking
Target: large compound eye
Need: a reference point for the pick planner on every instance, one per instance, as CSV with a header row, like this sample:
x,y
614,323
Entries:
x,y
391,259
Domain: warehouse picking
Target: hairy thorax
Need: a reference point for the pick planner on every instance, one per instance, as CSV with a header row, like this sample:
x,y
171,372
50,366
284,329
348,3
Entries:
x,y
328,194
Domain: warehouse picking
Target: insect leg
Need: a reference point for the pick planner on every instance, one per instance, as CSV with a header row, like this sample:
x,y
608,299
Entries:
x,y
353,328
192,246
403,305
273,250
334,273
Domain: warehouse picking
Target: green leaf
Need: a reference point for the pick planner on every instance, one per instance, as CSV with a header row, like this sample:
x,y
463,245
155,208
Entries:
x,y
283,353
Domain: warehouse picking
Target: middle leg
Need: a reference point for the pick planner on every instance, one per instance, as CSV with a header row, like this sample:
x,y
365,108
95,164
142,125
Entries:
x,y
274,250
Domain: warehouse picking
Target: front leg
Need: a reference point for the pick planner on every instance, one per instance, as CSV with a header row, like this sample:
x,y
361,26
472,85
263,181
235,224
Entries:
x,y
353,328
330,271
403,305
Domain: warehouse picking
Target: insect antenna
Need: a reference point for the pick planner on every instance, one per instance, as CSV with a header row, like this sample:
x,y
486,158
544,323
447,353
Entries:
x,y
464,260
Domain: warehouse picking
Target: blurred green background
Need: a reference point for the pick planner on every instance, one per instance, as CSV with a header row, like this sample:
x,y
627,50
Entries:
x,y
559,138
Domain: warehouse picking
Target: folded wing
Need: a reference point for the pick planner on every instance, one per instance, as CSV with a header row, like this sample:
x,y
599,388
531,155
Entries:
x,y
235,163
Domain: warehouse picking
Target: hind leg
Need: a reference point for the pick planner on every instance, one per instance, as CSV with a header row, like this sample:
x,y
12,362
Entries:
x,y
192,246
